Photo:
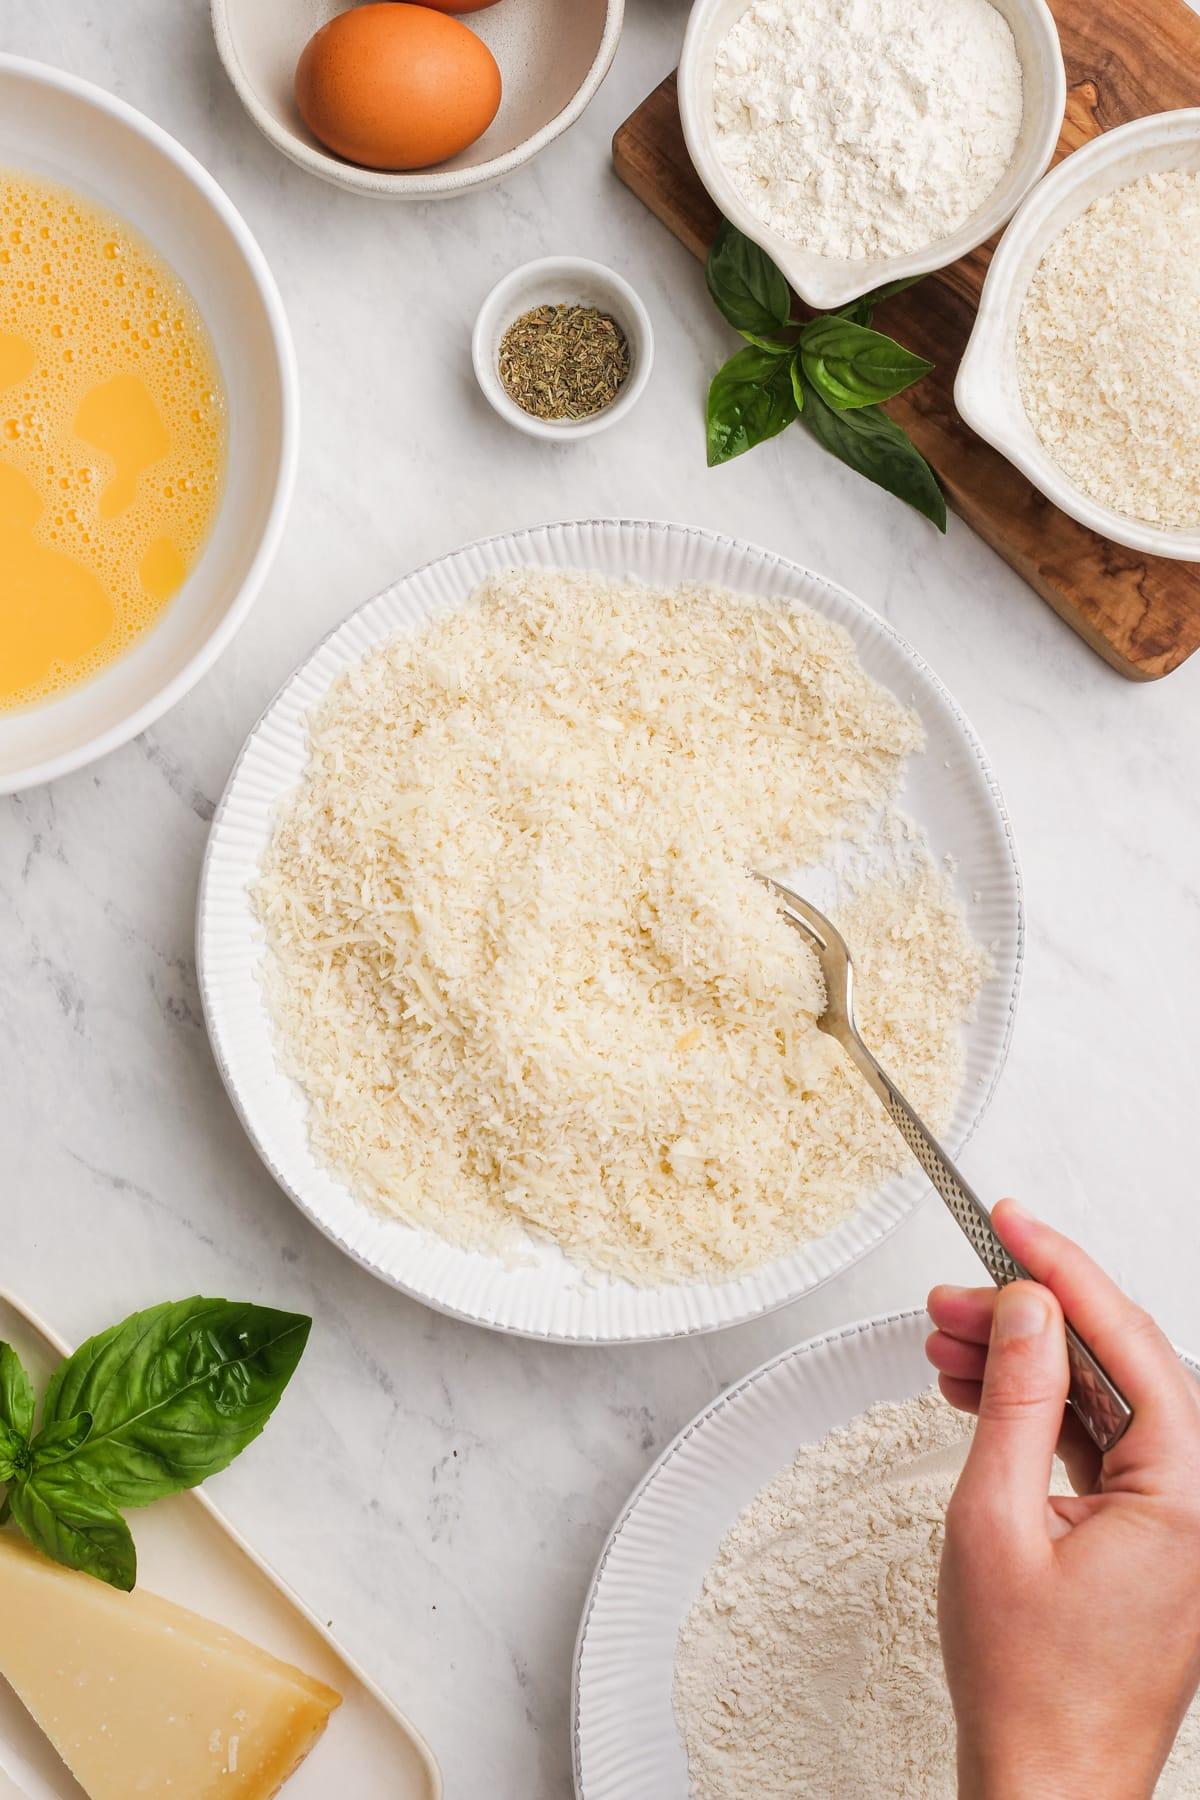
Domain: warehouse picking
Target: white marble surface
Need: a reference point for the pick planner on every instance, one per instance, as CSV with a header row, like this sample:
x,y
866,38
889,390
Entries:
x,y
439,1493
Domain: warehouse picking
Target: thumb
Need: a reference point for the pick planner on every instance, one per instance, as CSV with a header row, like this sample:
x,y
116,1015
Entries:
x,y
1025,1384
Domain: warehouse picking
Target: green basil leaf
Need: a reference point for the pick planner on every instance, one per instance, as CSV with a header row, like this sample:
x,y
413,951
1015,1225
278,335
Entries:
x,y
16,1393
745,283
14,1453
868,441
54,1443
851,366
797,382
75,1523
175,1393
878,295
862,310
750,400
775,346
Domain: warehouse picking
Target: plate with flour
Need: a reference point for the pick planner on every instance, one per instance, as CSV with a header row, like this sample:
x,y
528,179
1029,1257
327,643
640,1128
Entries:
x,y
487,977
762,1621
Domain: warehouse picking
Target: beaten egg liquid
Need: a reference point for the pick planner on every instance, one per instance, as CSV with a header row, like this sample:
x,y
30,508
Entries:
x,y
112,438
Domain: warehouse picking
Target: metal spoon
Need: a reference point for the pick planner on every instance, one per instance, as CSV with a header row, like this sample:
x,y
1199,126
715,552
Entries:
x,y
1095,1397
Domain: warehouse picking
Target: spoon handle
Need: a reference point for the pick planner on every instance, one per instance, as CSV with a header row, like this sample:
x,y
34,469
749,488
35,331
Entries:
x,y
1098,1401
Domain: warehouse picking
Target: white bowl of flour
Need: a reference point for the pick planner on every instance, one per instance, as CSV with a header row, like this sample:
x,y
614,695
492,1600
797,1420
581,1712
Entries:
x,y
861,142
762,1621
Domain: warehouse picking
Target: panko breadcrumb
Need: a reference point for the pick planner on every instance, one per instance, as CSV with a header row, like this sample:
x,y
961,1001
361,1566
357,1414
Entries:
x,y
517,961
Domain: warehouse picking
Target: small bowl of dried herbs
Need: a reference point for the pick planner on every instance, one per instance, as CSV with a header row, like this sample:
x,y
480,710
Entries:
x,y
562,347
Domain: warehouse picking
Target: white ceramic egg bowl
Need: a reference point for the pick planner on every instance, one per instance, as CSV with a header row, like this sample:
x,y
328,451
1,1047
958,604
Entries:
x,y
54,125
826,282
987,391
552,59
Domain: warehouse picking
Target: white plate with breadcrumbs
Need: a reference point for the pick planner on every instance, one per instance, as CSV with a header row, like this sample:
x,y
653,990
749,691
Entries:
x,y
949,790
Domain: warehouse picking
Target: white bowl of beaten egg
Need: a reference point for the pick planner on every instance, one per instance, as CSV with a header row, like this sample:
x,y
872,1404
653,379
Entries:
x,y
1085,357
148,422
861,142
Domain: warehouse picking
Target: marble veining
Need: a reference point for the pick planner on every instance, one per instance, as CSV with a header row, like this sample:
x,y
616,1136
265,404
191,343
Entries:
x,y
438,1492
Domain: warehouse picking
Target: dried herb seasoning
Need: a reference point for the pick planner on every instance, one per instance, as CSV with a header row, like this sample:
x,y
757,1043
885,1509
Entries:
x,y
563,362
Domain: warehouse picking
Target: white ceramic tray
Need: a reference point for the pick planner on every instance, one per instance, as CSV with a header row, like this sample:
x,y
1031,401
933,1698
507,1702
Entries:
x,y
188,1552
626,1745
950,790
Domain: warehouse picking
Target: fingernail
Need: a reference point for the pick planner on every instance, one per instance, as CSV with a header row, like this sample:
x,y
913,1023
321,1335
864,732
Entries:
x,y
950,1287
1021,1312
1019,1212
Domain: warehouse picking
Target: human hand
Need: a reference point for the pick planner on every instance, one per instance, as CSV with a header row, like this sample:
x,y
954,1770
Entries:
x,y
1070,1626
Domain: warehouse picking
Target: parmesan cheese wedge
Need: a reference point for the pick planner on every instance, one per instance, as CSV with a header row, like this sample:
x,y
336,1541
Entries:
x,y
142,1698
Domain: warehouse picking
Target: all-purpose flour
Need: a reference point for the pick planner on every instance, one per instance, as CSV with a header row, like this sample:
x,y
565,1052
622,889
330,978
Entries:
x,y
864,128
810,1663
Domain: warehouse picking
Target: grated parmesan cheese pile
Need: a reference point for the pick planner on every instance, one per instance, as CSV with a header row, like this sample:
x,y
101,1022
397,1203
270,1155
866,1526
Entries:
x,y
1109,349
517,964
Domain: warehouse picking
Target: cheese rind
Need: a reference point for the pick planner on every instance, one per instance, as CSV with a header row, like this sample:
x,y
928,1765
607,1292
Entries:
x,y
143,1698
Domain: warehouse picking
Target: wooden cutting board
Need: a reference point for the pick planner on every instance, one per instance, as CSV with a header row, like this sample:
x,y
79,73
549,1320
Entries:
x,y
1125,58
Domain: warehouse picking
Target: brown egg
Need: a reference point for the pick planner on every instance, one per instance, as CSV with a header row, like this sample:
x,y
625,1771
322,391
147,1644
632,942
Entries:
x,y
394,86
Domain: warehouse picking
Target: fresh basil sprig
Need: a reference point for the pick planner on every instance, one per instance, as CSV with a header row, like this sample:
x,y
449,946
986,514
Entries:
x,y
832,372
746,285
13,1451
862,310
851,365
16,1421
751,399
74,1523
16,1394
865,439
148,1408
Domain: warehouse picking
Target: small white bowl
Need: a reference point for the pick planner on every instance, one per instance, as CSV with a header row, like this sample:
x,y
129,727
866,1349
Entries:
x,y
558,281
826,282
987,391
55,125
552,59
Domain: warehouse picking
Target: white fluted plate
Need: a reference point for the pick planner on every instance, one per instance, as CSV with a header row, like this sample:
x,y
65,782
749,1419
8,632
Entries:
x,y
950,791
625,1742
